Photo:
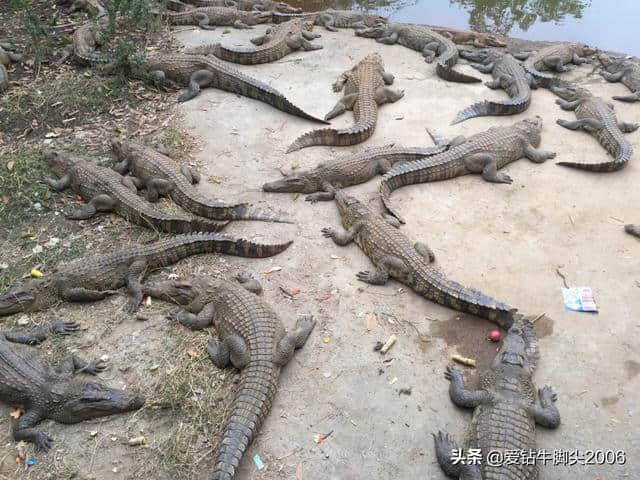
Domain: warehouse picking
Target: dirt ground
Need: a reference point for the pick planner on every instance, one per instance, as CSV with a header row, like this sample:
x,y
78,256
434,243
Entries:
x,y
509,241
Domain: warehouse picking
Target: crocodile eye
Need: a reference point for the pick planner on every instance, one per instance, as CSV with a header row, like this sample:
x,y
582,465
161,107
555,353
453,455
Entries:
x,y
515,330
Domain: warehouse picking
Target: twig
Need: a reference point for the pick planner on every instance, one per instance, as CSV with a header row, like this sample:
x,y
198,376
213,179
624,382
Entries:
x,y
564,279
538,317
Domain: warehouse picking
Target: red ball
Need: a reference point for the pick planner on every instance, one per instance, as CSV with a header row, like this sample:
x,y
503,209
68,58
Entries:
x,y
494,335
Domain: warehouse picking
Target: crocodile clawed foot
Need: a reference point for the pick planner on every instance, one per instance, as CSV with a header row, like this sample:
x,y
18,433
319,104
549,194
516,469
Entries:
x,y
364,276
313,198
451,373
328,232
547,393
96,367
43,441
503,178
64,328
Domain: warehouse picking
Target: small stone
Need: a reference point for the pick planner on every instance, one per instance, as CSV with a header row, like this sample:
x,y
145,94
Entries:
x,y
37,249
4,266
23,320
104,358
93,433
37,206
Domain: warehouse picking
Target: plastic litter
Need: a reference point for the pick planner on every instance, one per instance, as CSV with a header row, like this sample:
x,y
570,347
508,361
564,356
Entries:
x,y
579,299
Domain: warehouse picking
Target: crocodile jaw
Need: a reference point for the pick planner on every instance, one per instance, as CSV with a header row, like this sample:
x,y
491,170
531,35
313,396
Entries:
x,y
289,184
15,301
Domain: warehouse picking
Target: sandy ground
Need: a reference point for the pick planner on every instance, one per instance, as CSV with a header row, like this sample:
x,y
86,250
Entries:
x,y
506,240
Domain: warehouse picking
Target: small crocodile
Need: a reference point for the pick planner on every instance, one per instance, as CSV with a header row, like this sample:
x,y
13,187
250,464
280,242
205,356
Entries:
x,y
632,229
199,71
364,89
208,17
44,393
161,175
251,338
425,41
332,19
394,256
596,117
507,74
93,7
86,38
277,42
94,278
484,153
466,37
622,70
350,170
505,412
7,55
107,191
555,57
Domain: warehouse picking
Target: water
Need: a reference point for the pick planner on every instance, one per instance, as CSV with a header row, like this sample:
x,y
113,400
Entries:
x,y
606,24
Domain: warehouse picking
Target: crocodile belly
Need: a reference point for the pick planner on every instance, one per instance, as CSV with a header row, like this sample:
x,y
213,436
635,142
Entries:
x,y
505,435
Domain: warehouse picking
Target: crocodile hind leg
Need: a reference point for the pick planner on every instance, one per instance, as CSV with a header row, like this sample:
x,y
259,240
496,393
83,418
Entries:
x,y
537,156
156,188
381,274
59,185
25,430
488,68
218,353
344,104
203,21
199,79
389,39
195,321
459,394
387,95
587,124
134,275
578,60
240,25
611,77
430,51
627,127
445,447
338,85
546,414
249,283
191,174
632,230
307,35
307,46
328,21
486,165
38,335
258,40
555,63
99,203
628,98
294,340
132,183
424,250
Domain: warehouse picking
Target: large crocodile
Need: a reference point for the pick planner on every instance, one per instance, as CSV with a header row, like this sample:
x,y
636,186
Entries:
x,y
597,117
162,175
425,41
364,89
622,70
94,278
277,42
467,37
251,338
632,230
350,170
505,413
7,55
555,57
394,256
333,19
107,191
208,17
484,153
86,38
247,5
507,74
199,71
44,393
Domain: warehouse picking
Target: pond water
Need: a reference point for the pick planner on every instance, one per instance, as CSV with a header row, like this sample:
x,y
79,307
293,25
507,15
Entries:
x,y
607,24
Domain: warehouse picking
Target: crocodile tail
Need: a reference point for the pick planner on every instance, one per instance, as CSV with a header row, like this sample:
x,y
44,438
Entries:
x,y
625,151
4,79
243,213
386,187
487,108
357,133
233,81
448,73
199,224
257,389
543,80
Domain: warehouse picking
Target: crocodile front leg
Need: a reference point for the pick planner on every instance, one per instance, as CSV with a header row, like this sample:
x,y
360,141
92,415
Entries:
x,y
460,395
195,321
59,185
99,203
537,156
306,45
24,429
74,364
342,238
134,276
328,194
445,446
387,95
627,127
424,251
203,21
328,21
578,60
344,104
191,174
390,39
555,63
628,98
240,25
546,414
588,124
568,106
156,188
486,164
295,340
612,77
430,51
132,183
632,229
310,35
381,275
488,68
258,40
38,335
80,294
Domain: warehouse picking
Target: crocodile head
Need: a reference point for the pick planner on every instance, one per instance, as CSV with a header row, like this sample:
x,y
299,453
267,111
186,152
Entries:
x,y
350,208
519,350
60,162
36,294
79,400
121,147
584,50
373,20
303,182
493,40
480,55
570,93
286,8
254,17
610,63
378,30
531,128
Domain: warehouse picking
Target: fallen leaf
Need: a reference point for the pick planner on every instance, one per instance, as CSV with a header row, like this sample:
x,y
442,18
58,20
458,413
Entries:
x,y
295,291
10,165
51,135
295,164
371,321
299,472
325,339
326,296
16,414
273,269
191,352
5,199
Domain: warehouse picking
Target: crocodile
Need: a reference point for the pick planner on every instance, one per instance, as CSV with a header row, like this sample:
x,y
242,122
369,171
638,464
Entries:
x,y
394,256
350,170
467,37
251,338
265,6
93,7
555,57
208,17
505,412
108,191
7,55
507,74
86,38
425,41
199,71
632,229
46,393
94,278
332,19
622,70
364,89
161,175
483,153
596,117
277,42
